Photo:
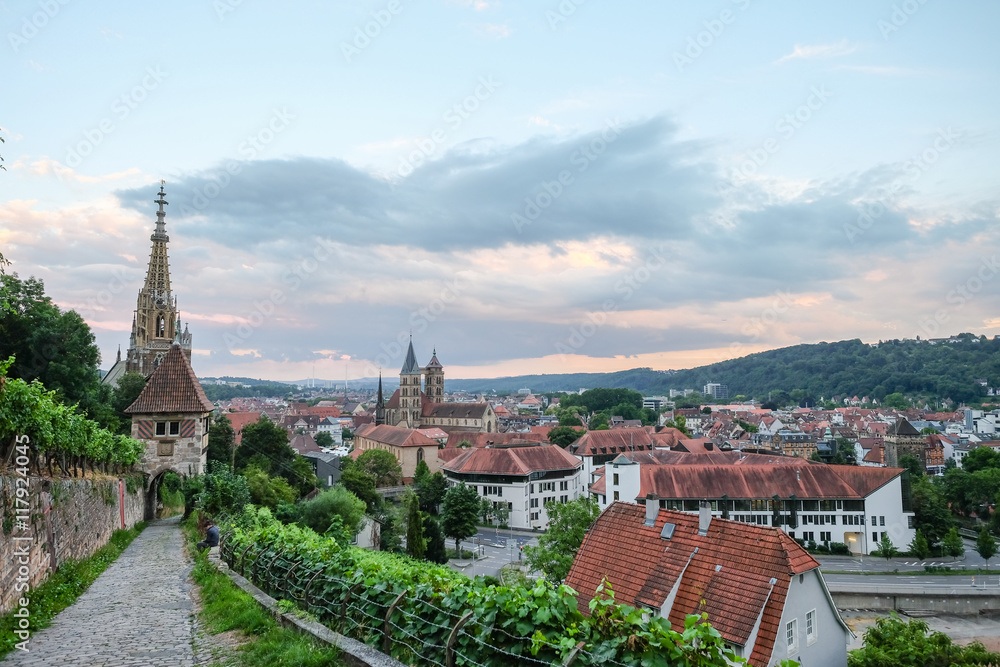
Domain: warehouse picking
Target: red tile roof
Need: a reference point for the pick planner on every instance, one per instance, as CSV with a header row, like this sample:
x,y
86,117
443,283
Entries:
x,y
303,442
729,577
477,439
394,436
512,460
172,388
239,420
596,443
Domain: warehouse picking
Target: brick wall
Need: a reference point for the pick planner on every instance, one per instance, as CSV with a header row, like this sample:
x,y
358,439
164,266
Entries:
x,y
79,515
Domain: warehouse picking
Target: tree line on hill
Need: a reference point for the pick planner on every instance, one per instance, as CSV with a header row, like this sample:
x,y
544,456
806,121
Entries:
x,y
807,373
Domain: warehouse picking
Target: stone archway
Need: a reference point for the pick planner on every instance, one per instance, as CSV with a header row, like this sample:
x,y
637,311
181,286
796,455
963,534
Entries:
x,y
154,480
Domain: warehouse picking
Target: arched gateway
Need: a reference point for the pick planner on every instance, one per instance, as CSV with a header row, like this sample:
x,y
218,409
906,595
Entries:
x,y
171,416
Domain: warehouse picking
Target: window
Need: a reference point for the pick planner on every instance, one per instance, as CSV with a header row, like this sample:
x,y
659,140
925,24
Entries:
x,y
547,486
615,480
616,495
534,516
881,521
810,626
161,428
564,486
175,428
534,503
874,537
824,536
790,635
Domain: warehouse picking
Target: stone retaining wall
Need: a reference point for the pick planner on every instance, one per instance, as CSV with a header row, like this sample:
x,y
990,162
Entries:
x,y
68,518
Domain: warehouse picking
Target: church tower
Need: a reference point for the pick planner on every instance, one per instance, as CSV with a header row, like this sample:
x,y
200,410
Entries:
x,y
410,403
156,323
434,380
380,403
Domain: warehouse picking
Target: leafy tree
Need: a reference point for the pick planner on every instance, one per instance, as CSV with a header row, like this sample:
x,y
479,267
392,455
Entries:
x,y
416,545
986,545
929,430
912,463
599,399
886,549
892,642
130,385
896,400
268,491
981,458
221,440
564,435
323,439
436,550
431,492
55,347
421,472
224,491
360,483
347,434
267,444
599,422
952,543
568,524
459,514
919,547
301,475
382,466
930,511
320,512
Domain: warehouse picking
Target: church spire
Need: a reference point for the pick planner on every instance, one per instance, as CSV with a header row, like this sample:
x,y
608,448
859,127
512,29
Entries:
x,y
380,403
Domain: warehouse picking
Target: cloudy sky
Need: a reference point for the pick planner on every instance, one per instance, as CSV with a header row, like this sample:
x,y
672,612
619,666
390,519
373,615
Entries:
x,y
526,186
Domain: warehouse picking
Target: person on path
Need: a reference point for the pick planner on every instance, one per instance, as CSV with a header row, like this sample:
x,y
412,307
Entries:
x,y
211,537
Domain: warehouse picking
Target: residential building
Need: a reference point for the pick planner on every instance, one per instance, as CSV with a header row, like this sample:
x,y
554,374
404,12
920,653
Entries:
x,y
762,591
716,390
523,476
812,501
595,448
408,446
793,443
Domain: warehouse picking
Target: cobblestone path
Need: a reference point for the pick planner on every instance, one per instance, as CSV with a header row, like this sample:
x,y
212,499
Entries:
x,y
138,612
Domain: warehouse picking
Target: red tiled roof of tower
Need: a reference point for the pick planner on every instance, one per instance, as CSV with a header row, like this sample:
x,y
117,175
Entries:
x,y
172,388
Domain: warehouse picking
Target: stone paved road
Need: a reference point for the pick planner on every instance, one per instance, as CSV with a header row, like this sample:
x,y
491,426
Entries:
x,y
138,612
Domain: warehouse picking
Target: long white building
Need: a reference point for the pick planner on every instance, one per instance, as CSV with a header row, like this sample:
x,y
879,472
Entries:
x,y
810,501
523,476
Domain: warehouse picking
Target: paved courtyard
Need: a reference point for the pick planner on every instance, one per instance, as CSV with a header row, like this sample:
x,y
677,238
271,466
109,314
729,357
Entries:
x,y
139,612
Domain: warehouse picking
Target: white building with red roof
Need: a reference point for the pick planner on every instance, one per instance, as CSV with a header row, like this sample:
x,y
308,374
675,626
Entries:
x,y
762,591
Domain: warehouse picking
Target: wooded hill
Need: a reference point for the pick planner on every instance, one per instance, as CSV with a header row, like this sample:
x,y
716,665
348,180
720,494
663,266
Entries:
x,y
822,370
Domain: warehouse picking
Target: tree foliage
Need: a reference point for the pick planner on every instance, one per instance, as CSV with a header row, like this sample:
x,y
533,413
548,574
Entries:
x,y
564,435
886,549
919,547
268,491
986,545
334,508
221,440
223,491
568,524
416,544
600,399
459,514
952,544
892,642
436,552
431,490
382,466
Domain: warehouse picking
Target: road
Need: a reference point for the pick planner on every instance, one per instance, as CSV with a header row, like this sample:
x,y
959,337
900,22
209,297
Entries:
x,y
929,582
494,551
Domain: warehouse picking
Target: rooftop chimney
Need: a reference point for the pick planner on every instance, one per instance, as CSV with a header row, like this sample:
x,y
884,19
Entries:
x,y
704,517
652,508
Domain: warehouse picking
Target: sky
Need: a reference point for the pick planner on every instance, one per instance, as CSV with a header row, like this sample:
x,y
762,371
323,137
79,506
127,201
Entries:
x,y
524,187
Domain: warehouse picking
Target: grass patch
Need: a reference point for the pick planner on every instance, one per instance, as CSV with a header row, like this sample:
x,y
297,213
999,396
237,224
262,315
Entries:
x,y
64,586
227,607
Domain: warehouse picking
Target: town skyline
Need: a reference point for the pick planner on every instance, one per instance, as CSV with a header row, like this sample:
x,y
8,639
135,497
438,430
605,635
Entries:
x,y
705,183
